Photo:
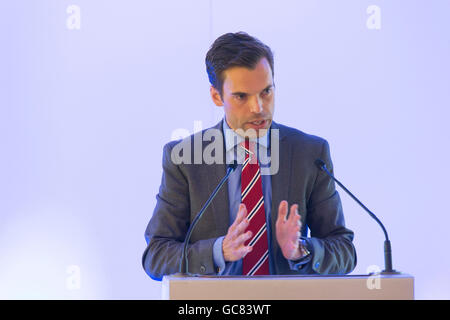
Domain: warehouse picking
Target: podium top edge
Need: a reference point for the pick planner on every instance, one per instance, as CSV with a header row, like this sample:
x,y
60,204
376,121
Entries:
x,y
281,277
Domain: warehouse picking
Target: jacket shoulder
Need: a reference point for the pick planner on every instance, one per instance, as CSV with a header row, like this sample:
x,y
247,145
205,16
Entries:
x,y
297,136
189,140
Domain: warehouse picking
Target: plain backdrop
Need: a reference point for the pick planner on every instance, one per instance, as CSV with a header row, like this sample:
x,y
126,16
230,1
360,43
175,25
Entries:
x,y
90,91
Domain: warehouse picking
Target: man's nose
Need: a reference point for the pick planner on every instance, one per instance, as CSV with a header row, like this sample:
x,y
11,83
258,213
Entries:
x,y
256,105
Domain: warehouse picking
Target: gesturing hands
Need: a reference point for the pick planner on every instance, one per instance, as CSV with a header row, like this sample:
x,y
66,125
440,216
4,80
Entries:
x,y
287,233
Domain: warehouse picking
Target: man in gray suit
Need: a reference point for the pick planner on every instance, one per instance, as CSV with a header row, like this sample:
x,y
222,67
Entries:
x,y
296,196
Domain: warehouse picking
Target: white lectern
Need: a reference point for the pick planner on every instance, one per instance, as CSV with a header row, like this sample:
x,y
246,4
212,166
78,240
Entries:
x,y
351,287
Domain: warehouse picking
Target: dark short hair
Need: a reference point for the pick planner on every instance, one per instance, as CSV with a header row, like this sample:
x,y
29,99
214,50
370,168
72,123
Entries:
x,y
234,50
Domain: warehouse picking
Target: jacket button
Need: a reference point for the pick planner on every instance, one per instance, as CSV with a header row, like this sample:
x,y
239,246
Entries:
x,y
202,269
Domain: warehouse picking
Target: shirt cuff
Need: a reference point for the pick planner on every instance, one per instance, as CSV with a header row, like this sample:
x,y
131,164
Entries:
x,y
298,264
219,260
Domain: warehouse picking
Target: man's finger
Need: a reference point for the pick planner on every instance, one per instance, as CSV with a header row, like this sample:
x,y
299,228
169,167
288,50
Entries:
x,y
241,227
293,214
282,211
242,238
241,214
244,250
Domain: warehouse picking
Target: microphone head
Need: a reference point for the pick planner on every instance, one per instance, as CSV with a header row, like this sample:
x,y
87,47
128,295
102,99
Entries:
x,y
320,164
233,165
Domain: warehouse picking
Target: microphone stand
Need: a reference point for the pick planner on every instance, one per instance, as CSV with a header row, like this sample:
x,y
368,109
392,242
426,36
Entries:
x,y
184,257
387,243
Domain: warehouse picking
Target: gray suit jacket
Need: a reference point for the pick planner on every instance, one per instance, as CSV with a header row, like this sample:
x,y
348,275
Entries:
x,y
186,187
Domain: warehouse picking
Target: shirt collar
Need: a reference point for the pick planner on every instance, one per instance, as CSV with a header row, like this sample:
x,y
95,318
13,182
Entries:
x,y
232,138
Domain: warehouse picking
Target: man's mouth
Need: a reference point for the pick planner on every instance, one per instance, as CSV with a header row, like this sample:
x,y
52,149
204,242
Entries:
x,y
258,123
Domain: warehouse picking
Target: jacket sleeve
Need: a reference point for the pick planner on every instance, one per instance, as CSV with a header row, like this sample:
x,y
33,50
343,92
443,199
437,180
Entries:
x,y
330,241
168,226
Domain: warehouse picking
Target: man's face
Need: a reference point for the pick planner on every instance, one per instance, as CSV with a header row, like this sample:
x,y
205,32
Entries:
x,y
248,98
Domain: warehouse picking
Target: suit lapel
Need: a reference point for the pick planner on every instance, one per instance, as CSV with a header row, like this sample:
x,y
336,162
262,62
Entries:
x,y
281,180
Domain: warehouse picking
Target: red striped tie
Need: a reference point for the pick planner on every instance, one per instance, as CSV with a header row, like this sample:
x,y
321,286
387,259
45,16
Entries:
x,y
255,262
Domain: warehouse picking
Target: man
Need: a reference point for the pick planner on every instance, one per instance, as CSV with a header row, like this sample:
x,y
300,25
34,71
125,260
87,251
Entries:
x,y
258,222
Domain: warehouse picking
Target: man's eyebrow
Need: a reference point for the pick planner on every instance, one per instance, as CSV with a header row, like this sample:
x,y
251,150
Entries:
x,y
268,87
238,93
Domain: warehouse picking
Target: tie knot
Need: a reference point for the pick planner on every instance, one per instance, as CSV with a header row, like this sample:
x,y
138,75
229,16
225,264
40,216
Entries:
x,y
249,146
250,150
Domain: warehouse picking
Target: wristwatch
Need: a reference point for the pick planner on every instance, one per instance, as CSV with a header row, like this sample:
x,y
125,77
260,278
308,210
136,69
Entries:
x,y
303,248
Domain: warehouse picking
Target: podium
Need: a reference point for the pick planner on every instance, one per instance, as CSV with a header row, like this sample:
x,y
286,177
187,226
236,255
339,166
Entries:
x,y
348,287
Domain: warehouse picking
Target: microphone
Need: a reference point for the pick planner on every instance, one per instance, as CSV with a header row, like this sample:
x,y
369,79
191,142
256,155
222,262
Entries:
x,y
387,243
231,167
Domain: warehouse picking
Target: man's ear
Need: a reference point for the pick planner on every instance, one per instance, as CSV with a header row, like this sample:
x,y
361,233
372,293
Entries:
x,y
215,96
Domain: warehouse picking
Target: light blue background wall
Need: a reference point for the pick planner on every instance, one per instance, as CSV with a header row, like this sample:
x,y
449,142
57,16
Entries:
x,y
84,114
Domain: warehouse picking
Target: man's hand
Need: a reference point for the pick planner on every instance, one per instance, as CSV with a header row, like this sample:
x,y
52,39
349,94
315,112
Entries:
x,y
233,244
288,231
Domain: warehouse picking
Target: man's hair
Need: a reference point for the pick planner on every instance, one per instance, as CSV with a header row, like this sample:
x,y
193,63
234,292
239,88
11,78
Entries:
x,y
234,50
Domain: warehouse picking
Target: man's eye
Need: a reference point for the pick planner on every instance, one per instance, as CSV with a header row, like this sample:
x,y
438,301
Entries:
x,y
240,96
267,91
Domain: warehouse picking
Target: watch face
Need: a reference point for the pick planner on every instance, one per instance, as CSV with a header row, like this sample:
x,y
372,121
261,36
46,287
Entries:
x,y
304,247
